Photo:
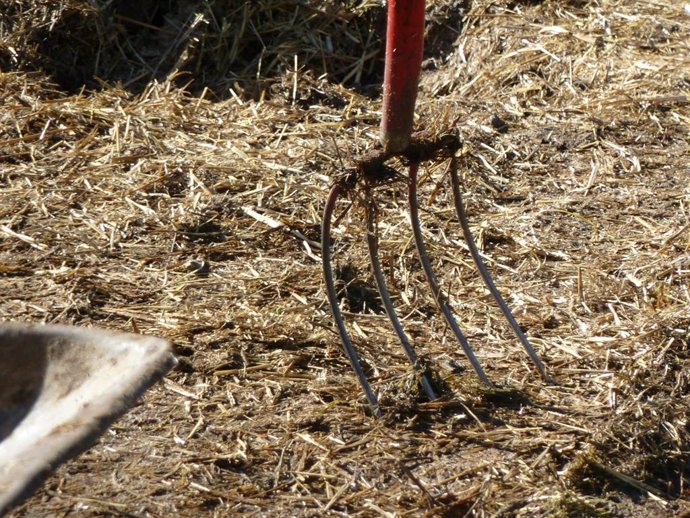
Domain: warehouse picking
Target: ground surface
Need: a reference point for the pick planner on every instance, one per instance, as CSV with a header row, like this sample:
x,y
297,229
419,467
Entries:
x,y
139,204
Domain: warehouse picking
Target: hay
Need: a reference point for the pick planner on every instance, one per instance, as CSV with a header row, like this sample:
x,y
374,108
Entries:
x,y
221,45
193,214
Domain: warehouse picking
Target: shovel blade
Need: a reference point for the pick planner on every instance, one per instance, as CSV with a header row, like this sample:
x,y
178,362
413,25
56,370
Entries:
x,y
60,388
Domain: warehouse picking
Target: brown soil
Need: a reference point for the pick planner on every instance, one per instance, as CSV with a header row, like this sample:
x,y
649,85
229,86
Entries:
x,y
145,162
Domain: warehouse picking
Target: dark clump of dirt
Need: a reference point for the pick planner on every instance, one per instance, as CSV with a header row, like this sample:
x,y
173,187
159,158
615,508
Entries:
x,y
361,295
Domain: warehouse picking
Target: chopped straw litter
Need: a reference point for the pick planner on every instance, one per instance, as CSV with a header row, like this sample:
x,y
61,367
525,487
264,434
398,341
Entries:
x,y
163,168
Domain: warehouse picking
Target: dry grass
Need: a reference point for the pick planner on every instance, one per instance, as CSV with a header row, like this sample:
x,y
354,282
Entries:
x,y
148,206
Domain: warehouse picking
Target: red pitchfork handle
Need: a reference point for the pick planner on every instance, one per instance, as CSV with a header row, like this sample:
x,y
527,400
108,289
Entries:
x,y
404,49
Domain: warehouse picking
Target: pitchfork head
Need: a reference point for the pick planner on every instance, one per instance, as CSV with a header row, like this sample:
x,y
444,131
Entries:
x,y
404,49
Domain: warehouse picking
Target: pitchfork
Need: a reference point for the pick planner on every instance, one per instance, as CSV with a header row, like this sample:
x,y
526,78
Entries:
x,y
404,48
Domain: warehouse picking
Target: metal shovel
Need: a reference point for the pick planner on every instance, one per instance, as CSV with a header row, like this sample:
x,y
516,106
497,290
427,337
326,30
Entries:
x,y
60,388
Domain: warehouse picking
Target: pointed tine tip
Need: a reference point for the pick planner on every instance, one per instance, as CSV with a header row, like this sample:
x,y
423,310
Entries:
x,y
540,365
428,388
370,408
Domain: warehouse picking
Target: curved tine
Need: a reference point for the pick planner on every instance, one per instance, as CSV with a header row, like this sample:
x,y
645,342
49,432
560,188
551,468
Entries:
x,y
373,244
426,265
462,216
333,299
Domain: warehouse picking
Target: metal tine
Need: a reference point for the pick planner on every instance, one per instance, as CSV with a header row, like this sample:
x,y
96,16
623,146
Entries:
x,y
431,279
333,299
373,245
462,216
